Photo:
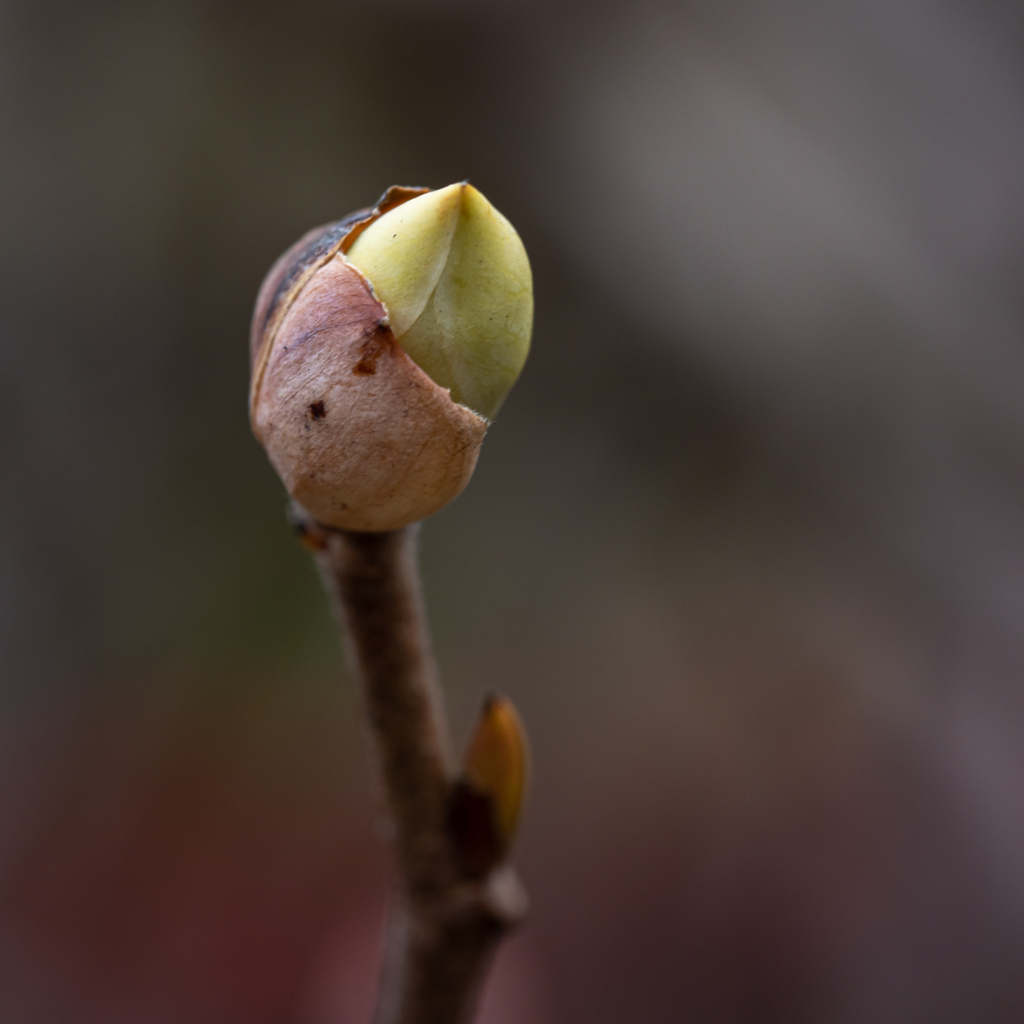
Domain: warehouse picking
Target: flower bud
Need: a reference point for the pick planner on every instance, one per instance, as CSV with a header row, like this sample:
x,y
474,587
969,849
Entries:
x,y
382,345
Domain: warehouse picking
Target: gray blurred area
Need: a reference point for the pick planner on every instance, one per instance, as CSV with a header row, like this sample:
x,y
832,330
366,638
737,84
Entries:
x,y
746,545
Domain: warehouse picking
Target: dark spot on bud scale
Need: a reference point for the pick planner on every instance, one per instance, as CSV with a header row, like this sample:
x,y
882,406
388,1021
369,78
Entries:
x,y
317,410
371,351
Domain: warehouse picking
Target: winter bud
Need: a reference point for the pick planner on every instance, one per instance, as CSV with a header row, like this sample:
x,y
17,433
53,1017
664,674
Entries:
x,y
487,797
382,347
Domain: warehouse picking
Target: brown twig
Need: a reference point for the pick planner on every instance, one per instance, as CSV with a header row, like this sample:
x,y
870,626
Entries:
x,y
445,925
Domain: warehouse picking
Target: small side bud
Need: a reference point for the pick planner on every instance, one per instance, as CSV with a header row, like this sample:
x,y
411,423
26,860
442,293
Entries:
x,y
487,797
309,533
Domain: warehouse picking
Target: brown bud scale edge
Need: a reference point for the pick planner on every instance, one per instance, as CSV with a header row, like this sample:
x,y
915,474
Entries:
x,y
292,271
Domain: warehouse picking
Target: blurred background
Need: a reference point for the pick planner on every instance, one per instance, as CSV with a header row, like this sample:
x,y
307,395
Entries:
x,y
746,545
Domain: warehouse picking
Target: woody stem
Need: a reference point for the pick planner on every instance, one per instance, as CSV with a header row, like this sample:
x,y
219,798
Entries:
x,y
445,926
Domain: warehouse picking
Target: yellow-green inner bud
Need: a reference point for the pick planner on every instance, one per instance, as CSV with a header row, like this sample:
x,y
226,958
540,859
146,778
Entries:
x,y
454,278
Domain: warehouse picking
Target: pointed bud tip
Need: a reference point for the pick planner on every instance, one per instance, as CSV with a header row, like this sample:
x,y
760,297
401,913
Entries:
x,y
496,763
455,280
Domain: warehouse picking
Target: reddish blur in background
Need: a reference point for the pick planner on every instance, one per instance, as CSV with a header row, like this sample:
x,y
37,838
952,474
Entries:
x,y
746,545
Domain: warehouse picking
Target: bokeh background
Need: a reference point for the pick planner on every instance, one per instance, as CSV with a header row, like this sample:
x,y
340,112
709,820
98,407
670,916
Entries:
x,y
746,545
